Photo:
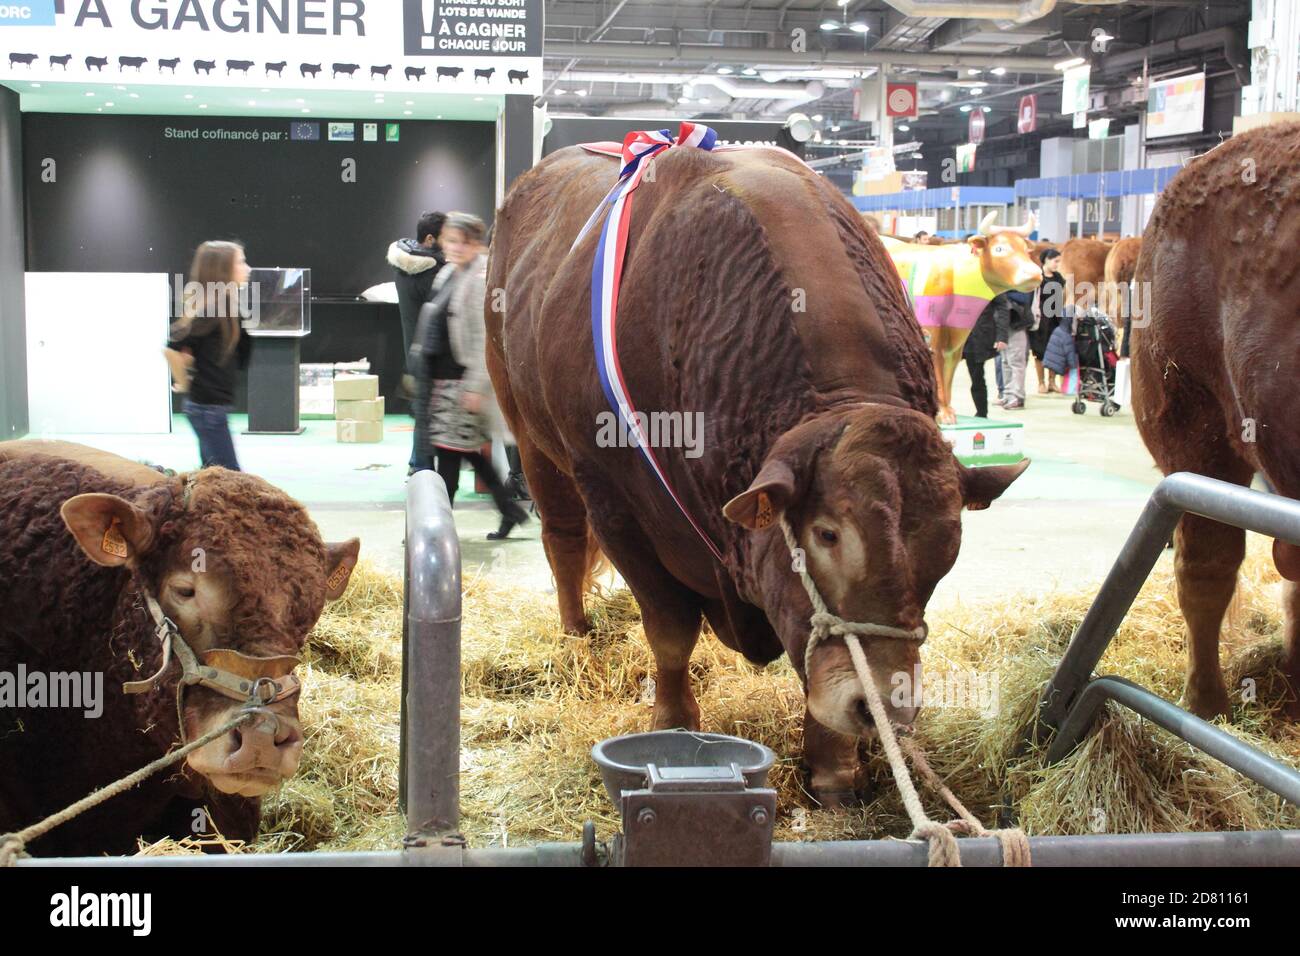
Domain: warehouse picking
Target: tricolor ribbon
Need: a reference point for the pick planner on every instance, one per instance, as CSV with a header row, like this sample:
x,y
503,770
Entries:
x,y
639,148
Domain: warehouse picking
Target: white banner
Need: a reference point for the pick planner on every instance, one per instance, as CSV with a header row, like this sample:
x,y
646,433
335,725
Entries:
x,y
1074,89
448,46
1176,107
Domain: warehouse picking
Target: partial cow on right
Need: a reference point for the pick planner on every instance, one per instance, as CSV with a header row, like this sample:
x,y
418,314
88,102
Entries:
x,y
1215,366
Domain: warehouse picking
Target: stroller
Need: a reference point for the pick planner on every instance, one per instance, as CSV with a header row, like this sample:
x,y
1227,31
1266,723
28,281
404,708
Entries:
x,y
1094,342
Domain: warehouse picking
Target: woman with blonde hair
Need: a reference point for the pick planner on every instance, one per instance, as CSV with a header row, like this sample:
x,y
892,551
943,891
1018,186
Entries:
x,y
209,332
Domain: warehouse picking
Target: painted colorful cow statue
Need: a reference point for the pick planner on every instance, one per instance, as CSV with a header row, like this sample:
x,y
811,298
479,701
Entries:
x,y
951,284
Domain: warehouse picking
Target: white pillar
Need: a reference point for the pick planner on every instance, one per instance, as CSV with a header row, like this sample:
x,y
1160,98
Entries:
x,y
1274,41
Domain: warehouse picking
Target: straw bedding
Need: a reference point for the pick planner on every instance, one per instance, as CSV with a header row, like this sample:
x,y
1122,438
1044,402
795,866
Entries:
x,y
535,700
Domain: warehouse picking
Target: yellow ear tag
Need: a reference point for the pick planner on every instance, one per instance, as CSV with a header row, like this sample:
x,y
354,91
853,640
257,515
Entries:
x,y
113,542
763,516
335,580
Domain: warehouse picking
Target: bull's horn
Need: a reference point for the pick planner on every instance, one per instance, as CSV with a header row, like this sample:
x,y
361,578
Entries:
x,y
986,224
1031,223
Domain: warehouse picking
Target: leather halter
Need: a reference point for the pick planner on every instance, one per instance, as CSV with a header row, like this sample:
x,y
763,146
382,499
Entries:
x,y
257,682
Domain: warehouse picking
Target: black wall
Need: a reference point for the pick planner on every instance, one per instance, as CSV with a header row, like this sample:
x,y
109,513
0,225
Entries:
x,y
129,199
572,130
13,317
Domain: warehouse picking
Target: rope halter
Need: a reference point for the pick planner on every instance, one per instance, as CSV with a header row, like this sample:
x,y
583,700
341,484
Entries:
x,y
823,623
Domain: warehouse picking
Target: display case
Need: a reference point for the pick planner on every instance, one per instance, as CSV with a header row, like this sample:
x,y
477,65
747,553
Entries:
x,y
278,303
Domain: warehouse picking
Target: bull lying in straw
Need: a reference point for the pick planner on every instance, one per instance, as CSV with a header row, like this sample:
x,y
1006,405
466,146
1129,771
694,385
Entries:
x,y
98,556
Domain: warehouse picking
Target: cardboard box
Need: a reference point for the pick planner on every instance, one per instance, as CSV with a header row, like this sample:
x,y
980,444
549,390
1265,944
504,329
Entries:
x,y
316,390
366,410
351,388
350,431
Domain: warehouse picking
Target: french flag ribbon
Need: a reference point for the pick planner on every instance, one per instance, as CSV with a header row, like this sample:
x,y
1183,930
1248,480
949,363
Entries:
x,y
639,148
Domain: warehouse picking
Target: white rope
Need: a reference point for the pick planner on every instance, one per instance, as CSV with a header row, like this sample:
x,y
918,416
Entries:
x,y
942,842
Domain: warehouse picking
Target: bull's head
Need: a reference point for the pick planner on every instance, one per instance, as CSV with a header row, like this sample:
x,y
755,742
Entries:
x,y
238,566
874,496
1006,257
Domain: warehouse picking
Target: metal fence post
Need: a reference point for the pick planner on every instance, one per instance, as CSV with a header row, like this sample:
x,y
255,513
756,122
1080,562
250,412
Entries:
x,y
430,735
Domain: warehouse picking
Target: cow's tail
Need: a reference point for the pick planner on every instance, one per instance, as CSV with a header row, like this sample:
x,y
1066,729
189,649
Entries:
x,y
598,566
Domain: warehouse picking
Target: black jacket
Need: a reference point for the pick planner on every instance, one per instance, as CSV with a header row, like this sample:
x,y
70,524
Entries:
x,y
213,382
989,328
415,266
1020,313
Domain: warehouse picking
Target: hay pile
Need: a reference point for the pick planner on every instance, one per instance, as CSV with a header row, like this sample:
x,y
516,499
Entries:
x,y
535,700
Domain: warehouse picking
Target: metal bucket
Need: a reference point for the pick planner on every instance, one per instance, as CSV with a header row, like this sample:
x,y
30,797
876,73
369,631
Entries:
x,y
623,761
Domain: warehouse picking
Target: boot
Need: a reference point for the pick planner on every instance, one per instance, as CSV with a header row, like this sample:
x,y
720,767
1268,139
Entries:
x,y
511,517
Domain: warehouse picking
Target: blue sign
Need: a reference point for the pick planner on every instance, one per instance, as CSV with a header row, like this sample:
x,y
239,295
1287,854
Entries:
x,y
27,13
304,131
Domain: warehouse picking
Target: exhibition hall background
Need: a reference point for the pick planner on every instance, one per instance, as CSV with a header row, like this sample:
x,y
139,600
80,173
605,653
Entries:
x,y
13,338
129,197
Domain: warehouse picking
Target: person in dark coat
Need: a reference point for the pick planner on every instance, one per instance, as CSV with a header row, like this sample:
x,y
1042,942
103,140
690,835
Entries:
x,y
415,262
993,326
1048,307
1060,355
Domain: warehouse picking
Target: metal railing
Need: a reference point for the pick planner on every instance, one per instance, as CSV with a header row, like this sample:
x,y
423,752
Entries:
x,y
1073,700
429,754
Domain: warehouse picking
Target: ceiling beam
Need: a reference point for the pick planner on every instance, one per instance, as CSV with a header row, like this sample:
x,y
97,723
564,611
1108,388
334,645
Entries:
x,y
709,53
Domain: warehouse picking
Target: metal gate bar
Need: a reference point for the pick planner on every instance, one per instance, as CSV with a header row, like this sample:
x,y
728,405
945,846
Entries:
x,y
1248,848
1237,754
429,775
1176,495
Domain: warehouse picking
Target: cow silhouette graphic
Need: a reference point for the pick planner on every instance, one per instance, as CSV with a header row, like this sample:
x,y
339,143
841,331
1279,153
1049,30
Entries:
x,y
205,66
415,73
484,74
451,71
347,69
62,61
25,58
519,75
276,68
380,71
169,64
135,62
241,65
96,63
309,69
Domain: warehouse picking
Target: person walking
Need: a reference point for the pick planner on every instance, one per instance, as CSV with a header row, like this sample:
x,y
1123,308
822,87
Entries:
x,y
415,262
449,354
208,345
1048,307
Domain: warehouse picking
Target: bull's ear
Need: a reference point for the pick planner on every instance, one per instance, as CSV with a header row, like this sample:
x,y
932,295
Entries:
x,y
111,530
341,559
980,486
1286,558
977,244
767,495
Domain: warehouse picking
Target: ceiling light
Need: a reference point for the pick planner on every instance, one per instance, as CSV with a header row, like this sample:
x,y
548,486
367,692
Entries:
x,y
252,102
724,71
108,104
842,3
999,71
830,24
305,110
478,99
203,106
266,89
406,112
35,86
300,100
817,117
859,27
683,99
974,71
749,71
978,89
1072,61
134,96
903,127
579,93
800,127
984,108
918,156
190,96
560,92
835,129
410,102
965,108
122,88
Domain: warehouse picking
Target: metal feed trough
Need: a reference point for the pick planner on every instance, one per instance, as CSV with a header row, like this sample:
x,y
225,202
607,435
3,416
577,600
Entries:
x,y
689,798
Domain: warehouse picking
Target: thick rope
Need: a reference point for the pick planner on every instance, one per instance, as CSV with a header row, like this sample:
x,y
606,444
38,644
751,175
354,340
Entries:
x,y
13,845
943,844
